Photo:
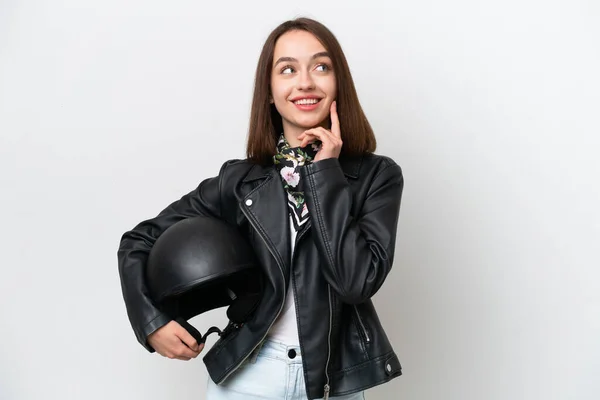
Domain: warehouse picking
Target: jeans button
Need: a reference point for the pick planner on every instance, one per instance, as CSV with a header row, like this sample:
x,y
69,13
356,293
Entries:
x,y
292,353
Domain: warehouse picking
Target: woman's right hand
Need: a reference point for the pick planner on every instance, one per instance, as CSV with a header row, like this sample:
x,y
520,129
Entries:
x,y
173,341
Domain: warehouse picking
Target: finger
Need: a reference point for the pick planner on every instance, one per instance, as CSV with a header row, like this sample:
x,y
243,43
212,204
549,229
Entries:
x,y
176,349
306,138
335,121
316,130
187,338
175,354
320,133
309,138
183,352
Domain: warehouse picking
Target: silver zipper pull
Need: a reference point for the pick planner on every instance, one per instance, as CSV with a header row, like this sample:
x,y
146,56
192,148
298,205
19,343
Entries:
x,y
326,392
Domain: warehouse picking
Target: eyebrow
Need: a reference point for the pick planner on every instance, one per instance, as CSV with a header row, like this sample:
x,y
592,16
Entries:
x,y
292,59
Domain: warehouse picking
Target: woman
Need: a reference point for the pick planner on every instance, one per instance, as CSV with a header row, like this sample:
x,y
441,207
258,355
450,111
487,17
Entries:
x,y
319,208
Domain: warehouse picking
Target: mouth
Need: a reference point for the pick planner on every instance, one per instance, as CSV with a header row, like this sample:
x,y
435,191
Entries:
x,y
306,103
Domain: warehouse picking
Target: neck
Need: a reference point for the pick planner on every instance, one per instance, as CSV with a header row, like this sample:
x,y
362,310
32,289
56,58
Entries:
x,y
291,135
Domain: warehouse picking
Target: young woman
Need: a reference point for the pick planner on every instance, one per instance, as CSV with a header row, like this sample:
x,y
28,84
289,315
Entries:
x,y
319,208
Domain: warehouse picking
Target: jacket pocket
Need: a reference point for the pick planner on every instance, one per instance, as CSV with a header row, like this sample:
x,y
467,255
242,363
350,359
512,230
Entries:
x,y
361,326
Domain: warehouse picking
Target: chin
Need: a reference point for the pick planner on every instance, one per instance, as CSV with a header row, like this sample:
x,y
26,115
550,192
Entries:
x,y
310,123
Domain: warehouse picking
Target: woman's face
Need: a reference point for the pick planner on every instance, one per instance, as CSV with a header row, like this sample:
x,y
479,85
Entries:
x,y
303,82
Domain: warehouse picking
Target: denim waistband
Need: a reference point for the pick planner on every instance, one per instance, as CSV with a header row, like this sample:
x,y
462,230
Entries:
x,y
277,350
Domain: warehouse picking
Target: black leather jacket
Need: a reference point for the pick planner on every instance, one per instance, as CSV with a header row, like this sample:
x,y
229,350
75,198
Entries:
x,y
340,261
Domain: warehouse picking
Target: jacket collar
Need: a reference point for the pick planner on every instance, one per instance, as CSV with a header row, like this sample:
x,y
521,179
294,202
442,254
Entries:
x,y
267,216
349,164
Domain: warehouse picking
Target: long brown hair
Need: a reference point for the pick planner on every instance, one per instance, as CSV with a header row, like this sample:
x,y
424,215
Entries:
x,y
265,120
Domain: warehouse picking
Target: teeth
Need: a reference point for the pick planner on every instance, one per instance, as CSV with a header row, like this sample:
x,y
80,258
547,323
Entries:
x,y
306,101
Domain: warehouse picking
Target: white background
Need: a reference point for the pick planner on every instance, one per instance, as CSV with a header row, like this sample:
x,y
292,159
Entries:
x,y
110,110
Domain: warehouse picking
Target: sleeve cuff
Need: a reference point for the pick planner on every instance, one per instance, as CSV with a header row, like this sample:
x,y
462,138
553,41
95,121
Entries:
x,y
151,327
320,165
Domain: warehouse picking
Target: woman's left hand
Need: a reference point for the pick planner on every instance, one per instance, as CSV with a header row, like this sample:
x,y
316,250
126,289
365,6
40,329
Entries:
x,y
331,140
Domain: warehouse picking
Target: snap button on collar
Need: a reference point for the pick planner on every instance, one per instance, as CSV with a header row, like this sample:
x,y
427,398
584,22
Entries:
x,y
249,202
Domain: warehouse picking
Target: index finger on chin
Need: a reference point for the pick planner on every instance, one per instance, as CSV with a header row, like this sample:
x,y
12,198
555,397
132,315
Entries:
x,y
335,121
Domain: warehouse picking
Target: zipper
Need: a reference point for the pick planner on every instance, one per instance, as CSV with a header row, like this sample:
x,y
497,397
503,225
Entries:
x,y
327,388
298,237
251,220
362,326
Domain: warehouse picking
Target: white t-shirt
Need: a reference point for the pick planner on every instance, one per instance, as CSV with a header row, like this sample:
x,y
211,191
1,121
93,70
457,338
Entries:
x,y
285,328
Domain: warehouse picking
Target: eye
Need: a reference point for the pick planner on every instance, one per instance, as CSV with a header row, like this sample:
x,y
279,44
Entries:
x,y
288,68
324,67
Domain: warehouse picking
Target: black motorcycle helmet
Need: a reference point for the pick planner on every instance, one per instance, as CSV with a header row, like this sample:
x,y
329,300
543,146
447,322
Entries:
x,y
200,264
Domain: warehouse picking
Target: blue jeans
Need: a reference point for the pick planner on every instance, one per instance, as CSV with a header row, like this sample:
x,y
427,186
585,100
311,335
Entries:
x,y
268,373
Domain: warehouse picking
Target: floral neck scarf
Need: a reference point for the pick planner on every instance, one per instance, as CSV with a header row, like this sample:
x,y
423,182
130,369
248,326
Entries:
x,y
288,161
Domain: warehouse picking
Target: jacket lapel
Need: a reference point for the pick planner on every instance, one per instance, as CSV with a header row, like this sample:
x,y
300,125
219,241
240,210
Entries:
x,y
266,209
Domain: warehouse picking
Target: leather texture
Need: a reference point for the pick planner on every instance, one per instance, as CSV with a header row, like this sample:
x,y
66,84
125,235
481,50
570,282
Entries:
x,y
341,259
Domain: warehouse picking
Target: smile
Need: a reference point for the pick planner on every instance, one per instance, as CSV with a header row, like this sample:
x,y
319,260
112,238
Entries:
x,y
306,101
306,104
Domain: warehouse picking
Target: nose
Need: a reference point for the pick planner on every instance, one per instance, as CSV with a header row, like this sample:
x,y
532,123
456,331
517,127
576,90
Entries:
x,y
305,81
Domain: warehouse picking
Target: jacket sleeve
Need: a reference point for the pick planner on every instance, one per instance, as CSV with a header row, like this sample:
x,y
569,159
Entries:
x,y
135,246
357,251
